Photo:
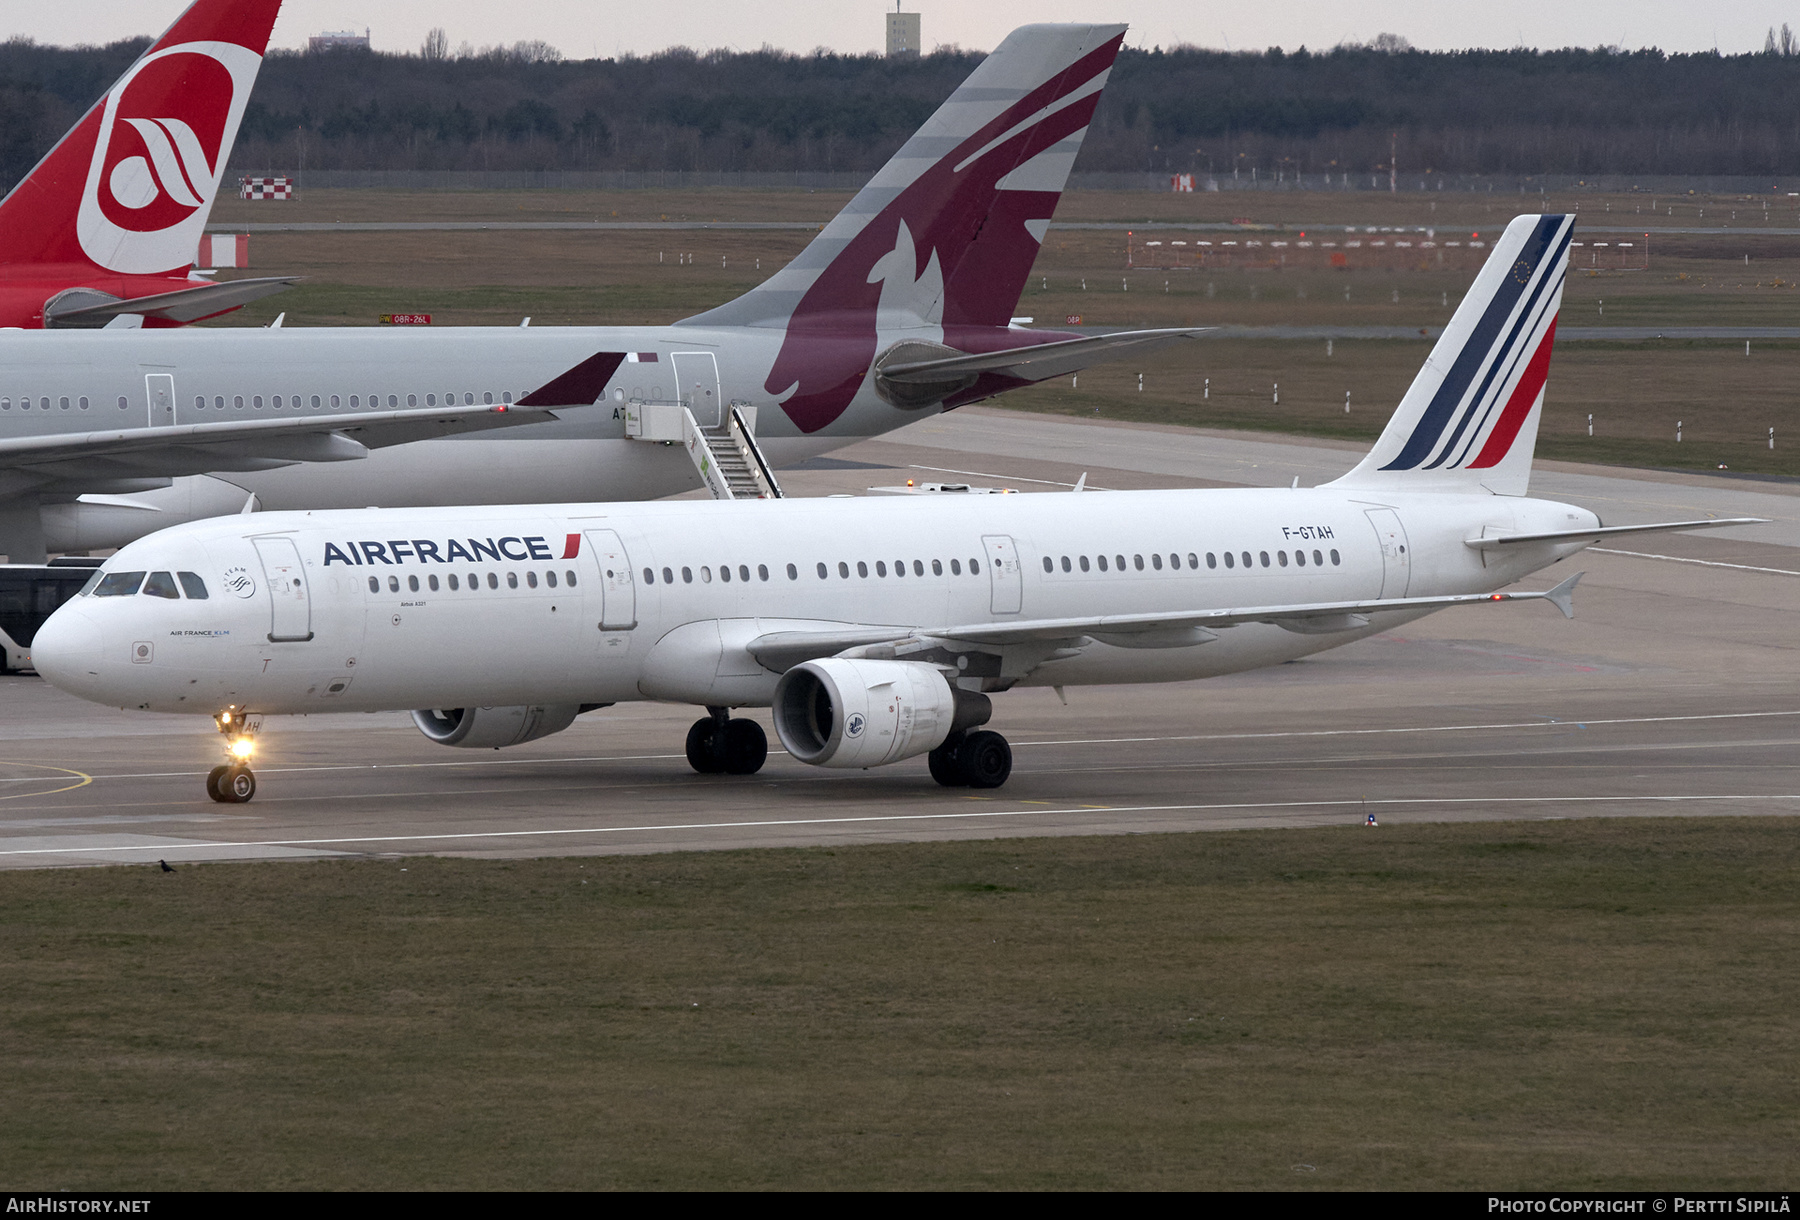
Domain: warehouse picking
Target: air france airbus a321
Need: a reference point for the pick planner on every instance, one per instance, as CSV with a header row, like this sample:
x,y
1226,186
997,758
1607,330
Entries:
x,y
875,629
901,306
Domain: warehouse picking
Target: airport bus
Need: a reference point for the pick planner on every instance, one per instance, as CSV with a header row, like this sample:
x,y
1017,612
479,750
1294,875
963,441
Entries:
x,y
29,593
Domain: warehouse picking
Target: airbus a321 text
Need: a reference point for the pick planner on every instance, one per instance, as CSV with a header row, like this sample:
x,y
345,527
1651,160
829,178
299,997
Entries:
x,y
876,630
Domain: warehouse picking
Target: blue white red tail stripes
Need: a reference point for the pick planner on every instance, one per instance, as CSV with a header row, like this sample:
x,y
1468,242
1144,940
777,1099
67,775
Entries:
x,y
1474,407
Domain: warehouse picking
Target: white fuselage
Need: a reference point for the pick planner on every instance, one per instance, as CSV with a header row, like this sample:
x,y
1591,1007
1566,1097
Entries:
x,y
461,607
62,382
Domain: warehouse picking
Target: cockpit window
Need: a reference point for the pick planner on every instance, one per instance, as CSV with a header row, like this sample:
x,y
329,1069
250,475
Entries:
x,y
119,584
91,582
192,585
161,584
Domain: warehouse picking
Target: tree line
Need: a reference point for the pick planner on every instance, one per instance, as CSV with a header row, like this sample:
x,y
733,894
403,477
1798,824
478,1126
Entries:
x,y
1183,109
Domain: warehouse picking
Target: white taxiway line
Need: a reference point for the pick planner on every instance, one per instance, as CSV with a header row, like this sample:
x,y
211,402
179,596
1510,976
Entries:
x,y
1016,744
1358,804
1423,728
1705,563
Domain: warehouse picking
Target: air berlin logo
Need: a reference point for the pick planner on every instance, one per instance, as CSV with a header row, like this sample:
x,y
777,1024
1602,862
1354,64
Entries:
x,y
164,137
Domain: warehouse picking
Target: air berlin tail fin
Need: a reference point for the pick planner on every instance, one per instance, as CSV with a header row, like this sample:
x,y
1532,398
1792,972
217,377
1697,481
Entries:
x,y
1470,419
947,230
129,188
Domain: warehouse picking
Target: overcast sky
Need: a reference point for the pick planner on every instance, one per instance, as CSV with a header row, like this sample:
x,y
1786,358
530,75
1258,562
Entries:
x,y
583,28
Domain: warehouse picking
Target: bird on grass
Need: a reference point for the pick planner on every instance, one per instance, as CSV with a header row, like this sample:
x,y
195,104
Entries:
x,y
165,866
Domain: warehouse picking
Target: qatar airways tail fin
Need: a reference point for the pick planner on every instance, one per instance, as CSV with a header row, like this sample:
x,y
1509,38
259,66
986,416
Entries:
x,y
129,188
941,240
1470,420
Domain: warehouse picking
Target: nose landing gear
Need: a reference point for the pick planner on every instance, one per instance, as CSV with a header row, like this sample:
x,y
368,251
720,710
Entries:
x,y
232,782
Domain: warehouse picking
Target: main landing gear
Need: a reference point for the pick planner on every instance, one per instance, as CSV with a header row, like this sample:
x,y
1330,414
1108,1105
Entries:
x,y
232,782
719,745
971,760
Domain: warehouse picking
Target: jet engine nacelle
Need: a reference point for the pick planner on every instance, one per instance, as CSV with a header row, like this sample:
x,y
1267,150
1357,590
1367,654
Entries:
x,y
843,712
491,728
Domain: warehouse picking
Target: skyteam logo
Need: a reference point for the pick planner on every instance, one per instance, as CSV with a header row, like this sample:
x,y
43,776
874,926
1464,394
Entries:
x,y
1500,359
164,134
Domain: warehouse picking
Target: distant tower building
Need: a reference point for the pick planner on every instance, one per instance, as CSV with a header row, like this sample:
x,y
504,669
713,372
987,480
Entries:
x,y
337,40
902,32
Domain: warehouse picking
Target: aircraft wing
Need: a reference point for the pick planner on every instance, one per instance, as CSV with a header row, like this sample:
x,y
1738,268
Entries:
x,y
181,305
782,650
1040,361
262,444
1607,531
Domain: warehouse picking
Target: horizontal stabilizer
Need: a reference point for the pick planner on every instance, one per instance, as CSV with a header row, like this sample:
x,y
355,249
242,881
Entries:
x,y
1605,531
781,650
1040,361
182,305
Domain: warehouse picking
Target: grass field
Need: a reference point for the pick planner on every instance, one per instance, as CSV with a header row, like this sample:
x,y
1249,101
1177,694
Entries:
x,y
1601,1003
1638,392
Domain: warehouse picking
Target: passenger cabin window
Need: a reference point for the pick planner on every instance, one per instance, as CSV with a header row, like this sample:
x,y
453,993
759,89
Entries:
x,y
161,584
937,568
550,579
1049,564
192,585
431,582
649,576
793,572
512,579
119,584
393,584
531,580
494,580
374,584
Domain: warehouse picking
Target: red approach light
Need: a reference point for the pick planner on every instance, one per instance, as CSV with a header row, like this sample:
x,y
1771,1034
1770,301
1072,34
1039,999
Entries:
x,y
1497,597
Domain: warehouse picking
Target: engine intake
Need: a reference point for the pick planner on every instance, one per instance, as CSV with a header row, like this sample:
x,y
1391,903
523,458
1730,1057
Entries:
x,y
492,728
843,712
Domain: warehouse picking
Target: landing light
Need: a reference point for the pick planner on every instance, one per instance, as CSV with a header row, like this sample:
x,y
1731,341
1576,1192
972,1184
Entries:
x,y
242,749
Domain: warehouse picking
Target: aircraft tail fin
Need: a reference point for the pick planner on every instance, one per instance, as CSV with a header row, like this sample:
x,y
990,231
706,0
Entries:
x,y
942,238
1470,419
130,187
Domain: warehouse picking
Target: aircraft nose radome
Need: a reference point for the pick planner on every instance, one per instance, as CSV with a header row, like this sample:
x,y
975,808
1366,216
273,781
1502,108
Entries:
x,y
67,651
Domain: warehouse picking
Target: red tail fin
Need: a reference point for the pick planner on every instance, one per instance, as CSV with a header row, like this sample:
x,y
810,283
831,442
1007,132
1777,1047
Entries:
x,y
129,188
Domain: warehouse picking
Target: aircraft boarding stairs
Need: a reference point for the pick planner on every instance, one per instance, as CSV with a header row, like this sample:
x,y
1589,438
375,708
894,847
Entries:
x,y
725,455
